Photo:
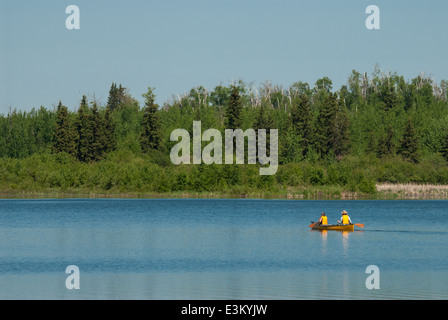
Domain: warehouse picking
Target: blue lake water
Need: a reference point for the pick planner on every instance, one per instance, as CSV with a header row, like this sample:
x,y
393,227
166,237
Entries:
x,y
221,249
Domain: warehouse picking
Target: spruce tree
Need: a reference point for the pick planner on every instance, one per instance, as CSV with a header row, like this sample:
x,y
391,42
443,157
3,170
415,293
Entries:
x,y
116,97
409,143
264,121
233,110
388,95
64,134
151,136
301,121
386,144
112,101
109,131
342,136
326,131
84,132
97,143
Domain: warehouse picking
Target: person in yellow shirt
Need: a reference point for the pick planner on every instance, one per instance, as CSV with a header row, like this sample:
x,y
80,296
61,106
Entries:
x,y
345,219
323,219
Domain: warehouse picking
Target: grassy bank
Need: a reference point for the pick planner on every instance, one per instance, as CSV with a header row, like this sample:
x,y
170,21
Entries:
x,y
386,191
129,175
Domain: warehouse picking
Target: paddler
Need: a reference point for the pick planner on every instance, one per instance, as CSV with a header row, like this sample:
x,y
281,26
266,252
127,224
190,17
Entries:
x,y
323,219
345,218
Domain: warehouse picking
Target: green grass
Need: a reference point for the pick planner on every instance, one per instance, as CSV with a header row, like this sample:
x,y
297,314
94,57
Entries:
x,y
127,174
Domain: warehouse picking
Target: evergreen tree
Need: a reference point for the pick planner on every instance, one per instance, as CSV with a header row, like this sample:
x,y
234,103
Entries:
x,y
301,120
386,144
109,131
342,136
388,94
290,146
409,143
84,132
117,96
326,131
371,147
264,121
233,110
151,136
64,134
97,144
113,101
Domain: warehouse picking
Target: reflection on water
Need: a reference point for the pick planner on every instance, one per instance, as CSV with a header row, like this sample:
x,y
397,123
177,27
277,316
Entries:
x,y
219,249
324,235
345,241
229,285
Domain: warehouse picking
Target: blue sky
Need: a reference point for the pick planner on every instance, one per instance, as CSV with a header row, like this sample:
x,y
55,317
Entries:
x,y
175,45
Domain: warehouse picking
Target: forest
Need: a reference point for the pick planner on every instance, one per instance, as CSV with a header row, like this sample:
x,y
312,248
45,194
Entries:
x,y
377,128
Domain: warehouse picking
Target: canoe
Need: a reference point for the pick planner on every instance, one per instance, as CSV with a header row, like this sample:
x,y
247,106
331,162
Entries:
x,y
337,227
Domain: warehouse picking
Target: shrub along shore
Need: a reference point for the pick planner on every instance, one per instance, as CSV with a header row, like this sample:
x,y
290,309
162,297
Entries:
x,y
377,137
124,175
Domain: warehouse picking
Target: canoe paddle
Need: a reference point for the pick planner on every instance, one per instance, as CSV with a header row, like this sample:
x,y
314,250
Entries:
x,y
312,224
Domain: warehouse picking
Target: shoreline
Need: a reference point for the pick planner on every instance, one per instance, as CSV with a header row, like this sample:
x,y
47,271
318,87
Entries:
x,y
385,191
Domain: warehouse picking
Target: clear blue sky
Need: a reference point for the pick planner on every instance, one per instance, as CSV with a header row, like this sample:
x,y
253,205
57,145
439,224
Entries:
x,y
175,45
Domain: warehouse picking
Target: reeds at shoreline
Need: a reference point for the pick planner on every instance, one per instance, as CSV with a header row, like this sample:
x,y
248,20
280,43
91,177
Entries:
x,y
412,190
384,191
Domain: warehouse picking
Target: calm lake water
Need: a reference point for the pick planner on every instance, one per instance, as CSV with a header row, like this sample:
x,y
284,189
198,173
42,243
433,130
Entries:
x,y
221,249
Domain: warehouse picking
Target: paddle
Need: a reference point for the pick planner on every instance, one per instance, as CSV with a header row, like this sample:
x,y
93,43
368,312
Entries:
x,y
361,225
312,224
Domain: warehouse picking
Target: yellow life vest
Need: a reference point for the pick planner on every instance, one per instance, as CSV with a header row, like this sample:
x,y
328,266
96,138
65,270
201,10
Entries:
x,y
345,219
324,220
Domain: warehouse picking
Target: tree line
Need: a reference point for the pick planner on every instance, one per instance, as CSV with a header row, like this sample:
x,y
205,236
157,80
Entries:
x,y
377,116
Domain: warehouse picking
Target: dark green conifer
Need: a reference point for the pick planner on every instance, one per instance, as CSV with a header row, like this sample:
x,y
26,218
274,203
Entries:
x,y
233,110
151,136
84,132
342,136
386,144
97,145
326,130
64,134
409,144
116,97
110,134
302,122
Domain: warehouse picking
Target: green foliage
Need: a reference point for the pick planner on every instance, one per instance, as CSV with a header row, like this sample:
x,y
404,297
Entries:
x,y
84,132
301,121
386,143
332,128
64,133
117,97
409,144
444,149
376,128
233,109
151,136
110,135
